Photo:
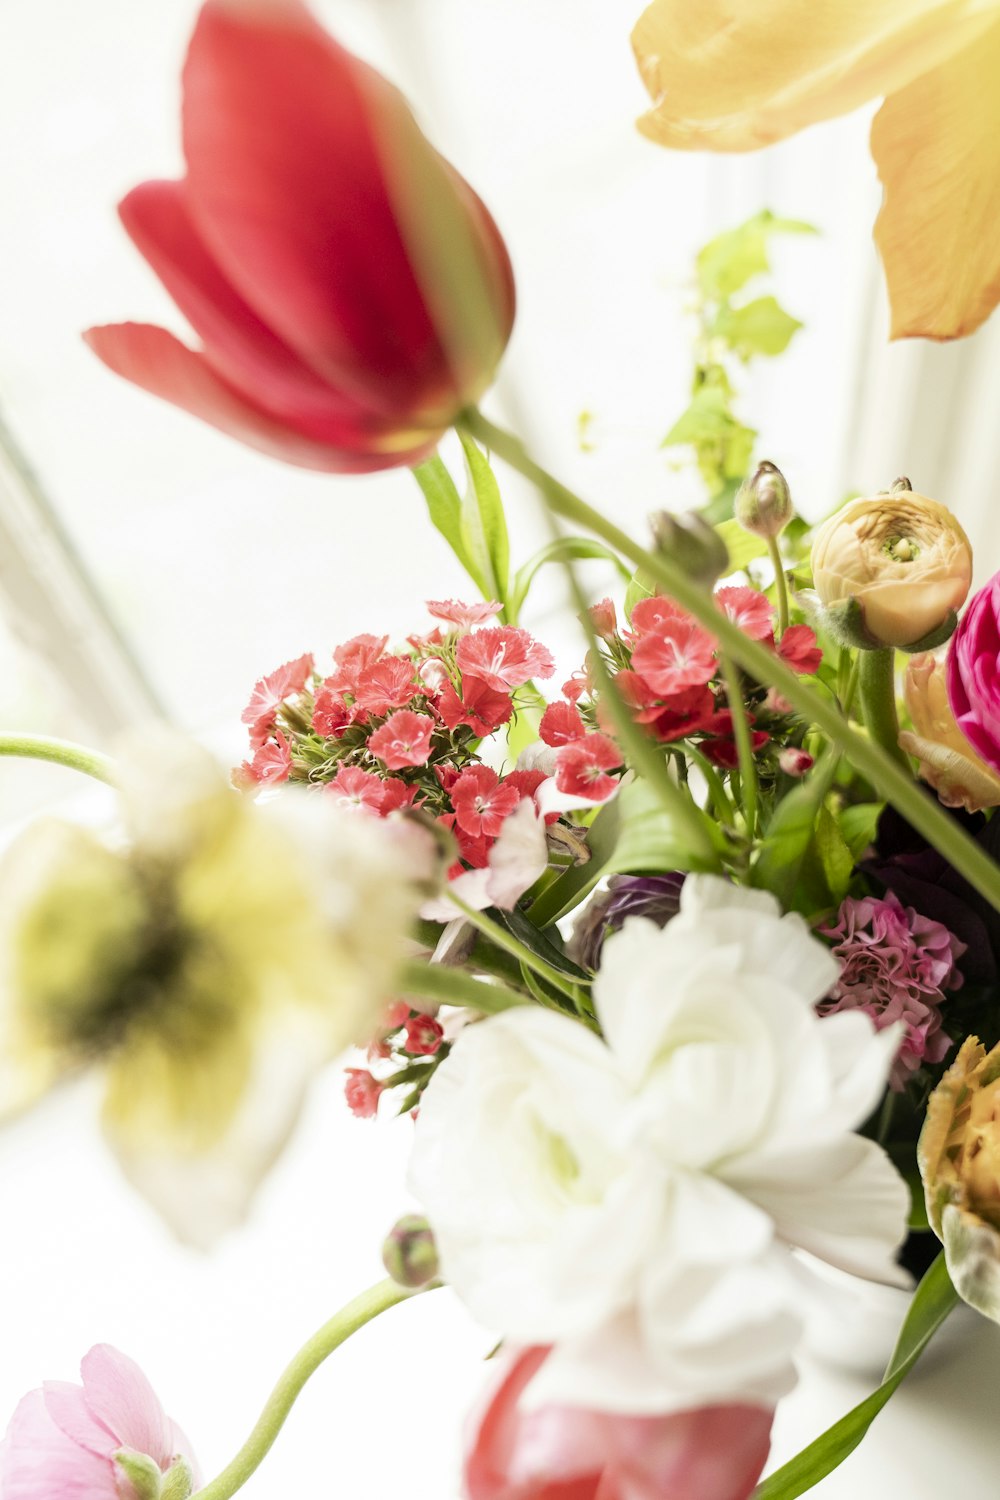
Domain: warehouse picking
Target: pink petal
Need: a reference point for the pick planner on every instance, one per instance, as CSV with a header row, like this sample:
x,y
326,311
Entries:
x,y
154,359
66,1404
39,1462
713,1453
122,1399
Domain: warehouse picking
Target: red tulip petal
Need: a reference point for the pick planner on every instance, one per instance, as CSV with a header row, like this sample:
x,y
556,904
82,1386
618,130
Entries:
x,y
240,347
158,362
712,1453
287,175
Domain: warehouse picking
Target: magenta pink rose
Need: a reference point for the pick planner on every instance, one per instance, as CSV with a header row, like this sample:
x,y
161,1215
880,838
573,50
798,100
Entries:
x,y
974,673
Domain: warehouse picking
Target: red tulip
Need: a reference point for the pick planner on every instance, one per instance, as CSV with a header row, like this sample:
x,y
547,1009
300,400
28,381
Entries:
x,y
350,291
562,1453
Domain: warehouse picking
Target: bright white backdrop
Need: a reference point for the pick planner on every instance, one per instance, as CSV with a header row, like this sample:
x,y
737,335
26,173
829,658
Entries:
x,y
217,564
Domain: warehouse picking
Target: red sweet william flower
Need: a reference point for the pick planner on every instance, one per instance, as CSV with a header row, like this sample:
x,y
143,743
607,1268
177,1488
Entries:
x,y
751,610
362,1090
424,1035
403,740
561,724
680,655
799,648
519,1451
386,685
353,659
503,657
463,616
331,714
273,761
357,788
652,616
582,767
481,707
721,747
350,291
271,691
482,801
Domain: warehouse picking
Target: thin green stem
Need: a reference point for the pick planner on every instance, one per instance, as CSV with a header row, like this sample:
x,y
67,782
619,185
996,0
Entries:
x,y
510,944
60,753
780,583
890,779
744,744
724,808
309,1358
877,685
455,987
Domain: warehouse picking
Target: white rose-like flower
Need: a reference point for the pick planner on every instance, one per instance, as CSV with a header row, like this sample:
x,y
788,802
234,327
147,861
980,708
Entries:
x,y
636,1201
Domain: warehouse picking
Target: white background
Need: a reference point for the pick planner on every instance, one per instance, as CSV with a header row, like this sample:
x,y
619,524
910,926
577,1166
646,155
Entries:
x,y
218,564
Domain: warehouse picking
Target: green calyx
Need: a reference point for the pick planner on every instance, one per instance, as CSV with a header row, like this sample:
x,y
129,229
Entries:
x,y
148,1480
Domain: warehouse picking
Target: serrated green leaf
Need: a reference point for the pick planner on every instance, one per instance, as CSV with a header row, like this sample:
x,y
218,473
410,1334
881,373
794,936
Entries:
x,y
741,545
484,526
934,1299
758,327
563,549
730,260
444,506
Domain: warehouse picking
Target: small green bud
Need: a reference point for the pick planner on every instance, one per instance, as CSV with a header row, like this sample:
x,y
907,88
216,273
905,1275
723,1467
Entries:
x,y
409,1254
142,1472
763,504
688,540
178,1483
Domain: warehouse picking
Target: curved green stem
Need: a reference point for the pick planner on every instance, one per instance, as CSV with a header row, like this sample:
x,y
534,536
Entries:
x,y
877,690
510,944
355,1315
60,753
890,779
744,744
780,583
455,987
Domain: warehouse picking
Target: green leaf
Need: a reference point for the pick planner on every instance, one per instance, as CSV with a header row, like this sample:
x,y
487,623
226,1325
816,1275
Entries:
x,y
834,856
650,841
444,505
641,586
563,549
790,863
758,327
544,945
578,881
522,730
707,419
484,526
733,258
741,545
858,825
934,1299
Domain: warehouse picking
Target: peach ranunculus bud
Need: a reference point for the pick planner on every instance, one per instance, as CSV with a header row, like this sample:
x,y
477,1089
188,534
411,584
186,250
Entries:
x,y
959,1157
948,762
892,570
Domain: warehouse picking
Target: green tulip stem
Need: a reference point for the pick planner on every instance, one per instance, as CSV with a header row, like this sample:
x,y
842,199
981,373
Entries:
x,y
780,583
877,692
338,1330
60,753
886,772
744,743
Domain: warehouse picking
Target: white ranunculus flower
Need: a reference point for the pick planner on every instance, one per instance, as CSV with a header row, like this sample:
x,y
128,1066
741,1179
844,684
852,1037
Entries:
x,y
636,1201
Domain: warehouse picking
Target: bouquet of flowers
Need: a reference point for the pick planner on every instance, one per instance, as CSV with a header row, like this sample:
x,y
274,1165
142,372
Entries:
x,y
685,970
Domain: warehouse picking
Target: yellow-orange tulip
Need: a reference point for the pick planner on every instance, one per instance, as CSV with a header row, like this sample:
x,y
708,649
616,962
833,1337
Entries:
x,y
732,75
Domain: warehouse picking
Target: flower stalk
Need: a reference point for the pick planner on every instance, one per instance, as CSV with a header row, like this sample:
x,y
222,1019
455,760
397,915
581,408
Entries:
x,y
877,689
60,753
359,1311
883,770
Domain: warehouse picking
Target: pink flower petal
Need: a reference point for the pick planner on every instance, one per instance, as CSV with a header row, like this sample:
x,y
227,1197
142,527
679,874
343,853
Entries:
x,y
39,1462
119,1396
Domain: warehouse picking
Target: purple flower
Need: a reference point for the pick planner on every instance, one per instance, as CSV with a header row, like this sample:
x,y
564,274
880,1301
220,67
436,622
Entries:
x,y
657,897
897,965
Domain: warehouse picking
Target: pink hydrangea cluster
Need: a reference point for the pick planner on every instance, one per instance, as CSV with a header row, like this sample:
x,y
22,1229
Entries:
x,y
666,667
898,965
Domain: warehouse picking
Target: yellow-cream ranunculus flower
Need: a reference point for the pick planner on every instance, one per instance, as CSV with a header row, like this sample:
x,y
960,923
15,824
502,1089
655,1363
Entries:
x,y
948,762
732,75
207,966
903,558
959,1157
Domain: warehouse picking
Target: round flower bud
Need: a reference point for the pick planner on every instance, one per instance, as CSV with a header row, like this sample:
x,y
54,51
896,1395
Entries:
x,y
959,1158
894,569
948,762
688,540
409,1254
763,502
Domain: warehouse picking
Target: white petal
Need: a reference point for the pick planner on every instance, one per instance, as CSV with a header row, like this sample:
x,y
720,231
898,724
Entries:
x,y
519,856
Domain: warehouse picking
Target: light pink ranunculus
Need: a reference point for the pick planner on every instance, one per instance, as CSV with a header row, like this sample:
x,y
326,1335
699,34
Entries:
x,y
102,1440
973,675
516,1452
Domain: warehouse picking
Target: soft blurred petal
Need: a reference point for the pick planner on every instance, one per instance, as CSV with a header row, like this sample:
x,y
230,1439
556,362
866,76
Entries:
x,y
937,147
732,75
39,1462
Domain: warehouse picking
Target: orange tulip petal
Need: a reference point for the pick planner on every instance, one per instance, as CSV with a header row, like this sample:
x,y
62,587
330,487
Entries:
x,y
732,75
937,146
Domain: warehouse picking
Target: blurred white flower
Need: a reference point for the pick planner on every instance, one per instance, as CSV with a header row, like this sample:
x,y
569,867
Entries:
x,y
636,1201
518,856
209,968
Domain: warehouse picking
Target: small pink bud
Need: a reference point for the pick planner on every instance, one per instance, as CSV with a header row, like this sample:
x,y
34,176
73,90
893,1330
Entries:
x,y
409,1253
604,619
362,1090
795,762
777,703
423,1035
